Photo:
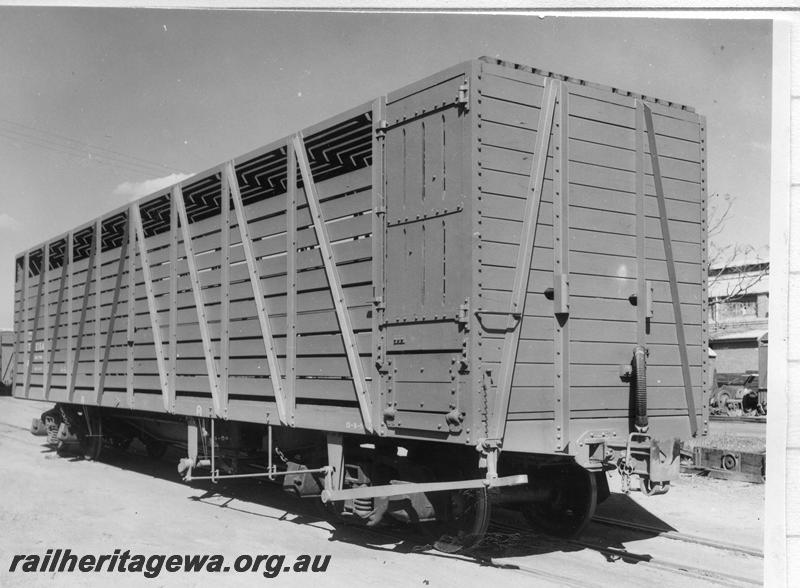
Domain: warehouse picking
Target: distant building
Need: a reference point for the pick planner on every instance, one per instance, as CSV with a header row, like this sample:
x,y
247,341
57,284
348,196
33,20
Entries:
x,y
738,299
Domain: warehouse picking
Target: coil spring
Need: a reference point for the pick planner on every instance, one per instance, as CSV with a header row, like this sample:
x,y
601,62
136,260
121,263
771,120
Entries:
x,y
363,506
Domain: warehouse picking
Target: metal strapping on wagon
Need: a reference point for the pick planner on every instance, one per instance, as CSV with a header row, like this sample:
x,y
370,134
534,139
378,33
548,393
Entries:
x,y
673,281
342,313
524,255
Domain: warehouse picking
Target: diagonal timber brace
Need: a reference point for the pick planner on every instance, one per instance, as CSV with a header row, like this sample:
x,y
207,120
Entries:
x,y
144,262
533,200
673,280
342,313
36,319
258,295
82,323
56,326
123,250
197,291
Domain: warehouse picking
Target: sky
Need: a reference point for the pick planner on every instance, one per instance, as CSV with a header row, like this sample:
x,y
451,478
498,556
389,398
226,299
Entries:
x,y
99,106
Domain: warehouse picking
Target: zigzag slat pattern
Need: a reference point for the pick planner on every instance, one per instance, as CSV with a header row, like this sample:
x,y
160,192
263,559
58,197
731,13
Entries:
x,y
112,231
35,262
82,243
202,198
56,257
340,149
155,216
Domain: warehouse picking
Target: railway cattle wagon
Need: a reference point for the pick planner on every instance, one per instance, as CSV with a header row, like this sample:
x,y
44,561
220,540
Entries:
x,y
486,287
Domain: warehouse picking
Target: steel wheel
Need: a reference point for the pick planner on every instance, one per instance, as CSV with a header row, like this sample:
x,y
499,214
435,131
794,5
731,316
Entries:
x,y
728,461
571,503
467,514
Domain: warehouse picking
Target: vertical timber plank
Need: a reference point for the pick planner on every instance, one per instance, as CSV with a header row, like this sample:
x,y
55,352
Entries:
x,y
46,343
225,294
641,230
131,333
173,306
98,281
18,281
24,328
561,341
70,259
378,220
707,375
291,281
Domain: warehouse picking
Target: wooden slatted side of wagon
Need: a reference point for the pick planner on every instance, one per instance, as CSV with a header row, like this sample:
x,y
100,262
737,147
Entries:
x,y
495,257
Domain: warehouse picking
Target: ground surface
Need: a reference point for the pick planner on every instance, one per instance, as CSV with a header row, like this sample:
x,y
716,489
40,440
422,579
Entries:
x,y
130,502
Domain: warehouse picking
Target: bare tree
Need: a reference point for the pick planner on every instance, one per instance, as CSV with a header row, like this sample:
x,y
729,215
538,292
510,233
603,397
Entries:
x,y
739,264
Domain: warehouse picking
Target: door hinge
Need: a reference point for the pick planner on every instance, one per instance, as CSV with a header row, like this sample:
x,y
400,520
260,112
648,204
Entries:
x,y
463,95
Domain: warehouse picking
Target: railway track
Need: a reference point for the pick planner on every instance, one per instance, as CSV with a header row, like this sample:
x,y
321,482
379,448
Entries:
x,y
684,537
506,539
623,554
737,419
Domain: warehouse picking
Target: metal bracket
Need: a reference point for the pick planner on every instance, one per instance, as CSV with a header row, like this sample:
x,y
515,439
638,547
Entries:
x,y
561,294
463,95
380,129
462,318
596,436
